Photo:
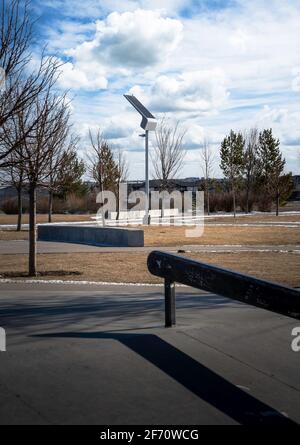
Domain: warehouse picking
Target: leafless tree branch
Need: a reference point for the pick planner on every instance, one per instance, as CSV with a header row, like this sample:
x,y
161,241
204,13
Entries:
x,y
168,156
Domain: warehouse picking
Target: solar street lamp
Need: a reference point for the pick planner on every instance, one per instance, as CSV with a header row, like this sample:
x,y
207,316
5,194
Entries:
x,y
148,123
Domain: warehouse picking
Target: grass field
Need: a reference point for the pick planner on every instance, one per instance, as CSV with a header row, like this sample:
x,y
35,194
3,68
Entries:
x,y
12,235
230,235
213,235
12,219
253,218
131,267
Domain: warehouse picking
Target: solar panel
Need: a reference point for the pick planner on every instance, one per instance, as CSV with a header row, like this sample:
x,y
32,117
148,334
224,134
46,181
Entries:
x,y
139,107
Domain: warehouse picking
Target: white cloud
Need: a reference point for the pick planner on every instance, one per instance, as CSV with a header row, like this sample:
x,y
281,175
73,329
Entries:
x,y
240,40
213,71
194,136
255,44
74,77
195,91
119,126
122,43
296,80
285,122
136,39
71,8
66,34
286,126
93,9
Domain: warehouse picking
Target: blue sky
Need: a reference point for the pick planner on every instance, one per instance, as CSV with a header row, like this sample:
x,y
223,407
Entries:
x,y
212,65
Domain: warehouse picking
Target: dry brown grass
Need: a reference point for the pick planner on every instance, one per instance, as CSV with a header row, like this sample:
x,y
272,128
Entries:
x,y
43,218
119,267
175,236
12,219
281,218
213,235
131,267
12,235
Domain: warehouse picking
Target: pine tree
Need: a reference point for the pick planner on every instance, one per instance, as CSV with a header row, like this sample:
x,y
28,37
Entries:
x,y
232,161
68,178
272,165
106,170
102,167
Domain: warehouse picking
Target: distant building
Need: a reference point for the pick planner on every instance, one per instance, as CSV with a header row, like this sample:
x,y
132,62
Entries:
x,y
10,192
182,185
296,194
188,184
7,192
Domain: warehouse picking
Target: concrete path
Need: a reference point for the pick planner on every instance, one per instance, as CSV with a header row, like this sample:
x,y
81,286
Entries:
x,y
100,355
21,247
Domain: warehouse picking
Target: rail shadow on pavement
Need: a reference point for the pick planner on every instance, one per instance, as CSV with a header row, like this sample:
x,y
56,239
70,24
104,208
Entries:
x,y
197,378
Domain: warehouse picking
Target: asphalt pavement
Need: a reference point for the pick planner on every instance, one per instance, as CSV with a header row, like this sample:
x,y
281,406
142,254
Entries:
x,y
101,355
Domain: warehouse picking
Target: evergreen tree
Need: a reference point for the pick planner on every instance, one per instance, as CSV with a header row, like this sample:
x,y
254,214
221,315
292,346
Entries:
x,y
286,187
106,172
232,161
272,165
69,177
102,167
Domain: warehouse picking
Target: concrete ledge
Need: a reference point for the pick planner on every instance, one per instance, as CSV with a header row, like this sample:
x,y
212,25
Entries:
x,y
92,234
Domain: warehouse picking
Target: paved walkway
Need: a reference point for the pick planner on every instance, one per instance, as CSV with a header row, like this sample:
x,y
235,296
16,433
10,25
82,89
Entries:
x,y
100,355
21,247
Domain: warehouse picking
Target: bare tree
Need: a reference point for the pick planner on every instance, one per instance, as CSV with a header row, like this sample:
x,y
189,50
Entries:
x,y
16,34
19,95
122,166
168,156
207,163
64,159
41,152
20,89
102,166
251,163
14,176
14,172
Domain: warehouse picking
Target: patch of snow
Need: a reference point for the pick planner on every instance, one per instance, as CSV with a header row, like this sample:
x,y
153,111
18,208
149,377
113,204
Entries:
x,y
99,283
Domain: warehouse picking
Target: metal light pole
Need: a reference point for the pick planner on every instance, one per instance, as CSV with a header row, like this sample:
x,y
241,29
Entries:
x,y
147,215
148,123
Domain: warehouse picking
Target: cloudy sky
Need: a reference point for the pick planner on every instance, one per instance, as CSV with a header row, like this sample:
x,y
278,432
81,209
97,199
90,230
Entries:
x,y
213,65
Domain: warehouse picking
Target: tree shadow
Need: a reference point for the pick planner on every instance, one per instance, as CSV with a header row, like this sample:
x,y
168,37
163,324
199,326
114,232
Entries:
x,y
59,312
197,378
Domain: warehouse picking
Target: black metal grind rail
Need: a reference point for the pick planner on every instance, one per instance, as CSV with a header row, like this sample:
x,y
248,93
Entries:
x,y
233,285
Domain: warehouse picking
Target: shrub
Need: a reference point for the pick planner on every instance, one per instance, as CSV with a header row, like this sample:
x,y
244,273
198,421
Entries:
x,y
264,203
91,204
59,205
9,206
242,201
42,204
213,202
75,204
221,202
